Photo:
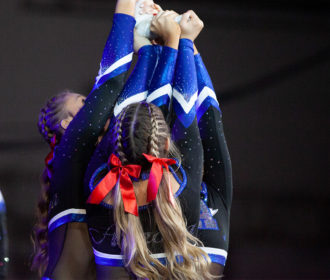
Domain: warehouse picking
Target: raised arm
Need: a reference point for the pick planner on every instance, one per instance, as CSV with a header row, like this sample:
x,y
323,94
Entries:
x,y
85,128
160,90
184,127
136,87
118,50
217,164
213,228
69,249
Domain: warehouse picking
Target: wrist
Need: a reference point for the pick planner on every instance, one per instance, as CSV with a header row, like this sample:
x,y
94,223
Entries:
x,y
172,41
186,36
126,7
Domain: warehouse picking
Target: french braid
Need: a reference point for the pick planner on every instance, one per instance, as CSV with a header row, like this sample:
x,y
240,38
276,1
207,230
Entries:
x,y
118,134
49,126
159,132
145,123
51,116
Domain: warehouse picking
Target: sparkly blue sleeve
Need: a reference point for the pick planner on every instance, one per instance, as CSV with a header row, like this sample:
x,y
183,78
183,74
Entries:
x,y
136,87
77,145
72,154
206,95
118,50
184,129
185,84
160,90
217,163
213,228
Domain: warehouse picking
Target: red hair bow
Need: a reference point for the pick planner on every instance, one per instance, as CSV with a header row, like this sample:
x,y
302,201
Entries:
x,y
156,174
50,156
121,173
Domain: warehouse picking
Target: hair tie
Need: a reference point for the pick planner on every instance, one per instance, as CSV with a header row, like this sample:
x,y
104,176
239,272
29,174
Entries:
x,y
156,174
49,158
120,173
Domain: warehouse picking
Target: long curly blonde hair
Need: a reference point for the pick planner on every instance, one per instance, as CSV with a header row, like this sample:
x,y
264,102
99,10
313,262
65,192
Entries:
x,y
141,128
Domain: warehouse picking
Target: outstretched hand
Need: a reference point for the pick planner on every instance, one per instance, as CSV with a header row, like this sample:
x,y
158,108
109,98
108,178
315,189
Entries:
x,y
191,25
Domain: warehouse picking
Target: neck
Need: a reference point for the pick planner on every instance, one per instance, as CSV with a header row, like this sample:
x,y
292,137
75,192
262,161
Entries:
x,y
140,189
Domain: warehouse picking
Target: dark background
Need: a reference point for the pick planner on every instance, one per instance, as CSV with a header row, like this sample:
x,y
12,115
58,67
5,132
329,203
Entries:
x,y
270,63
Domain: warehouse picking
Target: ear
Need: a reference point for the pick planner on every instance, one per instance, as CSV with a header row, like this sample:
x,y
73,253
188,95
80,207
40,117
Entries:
x,y
65,123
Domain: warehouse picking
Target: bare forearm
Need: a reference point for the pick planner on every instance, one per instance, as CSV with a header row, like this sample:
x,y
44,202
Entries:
x,y
125,7
173,41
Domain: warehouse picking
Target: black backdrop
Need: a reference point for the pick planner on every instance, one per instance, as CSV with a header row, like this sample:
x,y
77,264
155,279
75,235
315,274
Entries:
x,y
269,61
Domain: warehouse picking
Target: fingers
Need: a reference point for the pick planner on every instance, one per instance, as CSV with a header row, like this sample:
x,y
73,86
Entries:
x,y
190,25
190,15
186,16
164,14
148,7
158,15
158,8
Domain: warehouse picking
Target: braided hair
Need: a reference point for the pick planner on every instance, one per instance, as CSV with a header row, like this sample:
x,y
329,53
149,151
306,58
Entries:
x,y
49,125
50,116
141,128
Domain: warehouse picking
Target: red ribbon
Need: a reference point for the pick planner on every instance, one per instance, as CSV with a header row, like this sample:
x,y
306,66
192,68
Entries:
x,y
121,173
156,174
50,156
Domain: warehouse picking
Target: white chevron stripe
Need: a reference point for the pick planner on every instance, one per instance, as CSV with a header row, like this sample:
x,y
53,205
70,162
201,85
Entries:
x,y
213,211
66,212
133,99
120,257
206,92
215,251
207,250
166,89
114,66
186,106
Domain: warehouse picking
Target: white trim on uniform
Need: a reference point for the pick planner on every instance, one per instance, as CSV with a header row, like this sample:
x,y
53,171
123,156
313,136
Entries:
x,y
186,106
65,213
120,62
205,93
166,89
135,98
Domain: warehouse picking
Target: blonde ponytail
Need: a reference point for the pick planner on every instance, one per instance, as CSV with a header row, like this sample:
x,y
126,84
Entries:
x,y
184,259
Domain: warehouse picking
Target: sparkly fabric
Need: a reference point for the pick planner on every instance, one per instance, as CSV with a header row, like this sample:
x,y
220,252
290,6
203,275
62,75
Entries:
x,y
206,220
160,90
118,46
204,192
185,84
76,147
215,206
151,78
136,87
206,95
216,190
189,174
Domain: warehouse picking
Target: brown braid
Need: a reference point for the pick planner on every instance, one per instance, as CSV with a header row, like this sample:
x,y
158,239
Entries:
x,y
118,133
51,115
145,123
49,121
